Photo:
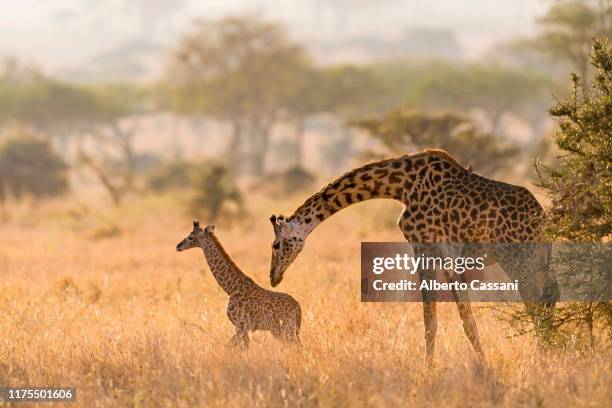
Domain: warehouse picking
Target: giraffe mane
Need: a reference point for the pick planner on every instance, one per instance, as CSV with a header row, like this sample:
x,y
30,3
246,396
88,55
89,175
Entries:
x,y
442,154
224,252
430,151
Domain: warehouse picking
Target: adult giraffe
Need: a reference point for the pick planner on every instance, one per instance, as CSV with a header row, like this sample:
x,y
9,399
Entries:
x,y
443,203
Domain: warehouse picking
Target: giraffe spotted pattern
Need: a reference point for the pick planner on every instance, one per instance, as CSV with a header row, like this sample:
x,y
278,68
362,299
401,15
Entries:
x,y
250,306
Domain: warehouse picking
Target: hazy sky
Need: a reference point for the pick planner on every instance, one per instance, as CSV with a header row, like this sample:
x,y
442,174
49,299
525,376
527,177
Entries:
x,y
60,33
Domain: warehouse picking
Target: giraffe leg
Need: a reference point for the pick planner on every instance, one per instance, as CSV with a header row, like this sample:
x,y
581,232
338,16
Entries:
x,y
469,326
243,339
240,339
291,337
462,301
295,326
467,318
233,342
431,325
287,334
430,320
278,334
294,334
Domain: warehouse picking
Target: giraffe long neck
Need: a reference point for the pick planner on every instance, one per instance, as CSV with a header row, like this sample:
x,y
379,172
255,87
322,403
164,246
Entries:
x,y
227,274
391,179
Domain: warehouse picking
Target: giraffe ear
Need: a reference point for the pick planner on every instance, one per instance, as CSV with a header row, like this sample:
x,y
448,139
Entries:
x,y
209,229
276,224
196,224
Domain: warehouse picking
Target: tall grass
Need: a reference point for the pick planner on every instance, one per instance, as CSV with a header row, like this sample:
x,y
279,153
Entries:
x,y
130,322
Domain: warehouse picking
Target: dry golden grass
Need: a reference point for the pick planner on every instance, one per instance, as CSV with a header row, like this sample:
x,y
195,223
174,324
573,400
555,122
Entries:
x,y
105,304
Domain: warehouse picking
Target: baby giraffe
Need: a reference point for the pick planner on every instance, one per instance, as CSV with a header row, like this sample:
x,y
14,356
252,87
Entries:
x,y
250,306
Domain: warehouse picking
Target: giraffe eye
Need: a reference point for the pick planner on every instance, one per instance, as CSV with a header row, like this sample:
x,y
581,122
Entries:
x,y
190,237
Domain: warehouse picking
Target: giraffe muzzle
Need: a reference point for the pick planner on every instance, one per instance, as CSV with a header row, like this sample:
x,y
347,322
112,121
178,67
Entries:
x,y
275,279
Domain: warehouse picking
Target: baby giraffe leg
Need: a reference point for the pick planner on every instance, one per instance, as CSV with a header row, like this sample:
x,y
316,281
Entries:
x,y
233,342
240,339
243,339
294,330
294,338
288,333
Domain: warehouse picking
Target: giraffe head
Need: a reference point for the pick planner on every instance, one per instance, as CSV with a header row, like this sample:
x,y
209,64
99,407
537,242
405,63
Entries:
x,y
195,237
288,243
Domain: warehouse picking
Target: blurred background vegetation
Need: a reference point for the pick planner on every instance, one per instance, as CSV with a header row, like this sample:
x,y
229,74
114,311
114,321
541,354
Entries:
x,y
242,93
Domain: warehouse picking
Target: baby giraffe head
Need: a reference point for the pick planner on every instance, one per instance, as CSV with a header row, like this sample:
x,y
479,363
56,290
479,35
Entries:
x,y
195,237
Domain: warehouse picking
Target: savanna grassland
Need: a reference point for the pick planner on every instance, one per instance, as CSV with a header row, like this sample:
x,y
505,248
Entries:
x,y
97,298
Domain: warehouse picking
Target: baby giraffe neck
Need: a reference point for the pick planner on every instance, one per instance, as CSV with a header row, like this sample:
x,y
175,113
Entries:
x,y
227,274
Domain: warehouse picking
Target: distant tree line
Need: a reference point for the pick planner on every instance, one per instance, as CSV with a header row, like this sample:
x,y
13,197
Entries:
x,y
249,74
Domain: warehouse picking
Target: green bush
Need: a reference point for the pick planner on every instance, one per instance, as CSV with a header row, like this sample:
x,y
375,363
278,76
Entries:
x,y
297,179
580,187
216,192
174,175
30,167
294,179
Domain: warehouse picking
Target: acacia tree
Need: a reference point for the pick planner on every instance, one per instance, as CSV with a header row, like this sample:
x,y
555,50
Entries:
x,y
567,30
346,91
308,100
113,124
494,90
581,185
351,91
216,192
240,70
405,130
